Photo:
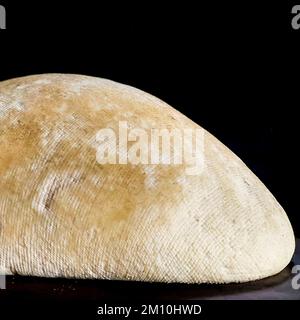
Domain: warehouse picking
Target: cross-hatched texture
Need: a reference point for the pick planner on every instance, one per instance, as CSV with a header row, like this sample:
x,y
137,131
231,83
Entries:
x,y
62,214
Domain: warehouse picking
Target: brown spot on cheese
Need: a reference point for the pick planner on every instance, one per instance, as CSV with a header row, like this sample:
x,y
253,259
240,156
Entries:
x,y
51,196
18,142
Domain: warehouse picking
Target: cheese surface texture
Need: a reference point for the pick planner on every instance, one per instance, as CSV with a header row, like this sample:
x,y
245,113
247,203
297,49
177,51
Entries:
x,y
63,214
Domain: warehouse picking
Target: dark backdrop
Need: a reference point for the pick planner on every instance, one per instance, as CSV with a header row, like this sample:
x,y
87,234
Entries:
x,y
229,67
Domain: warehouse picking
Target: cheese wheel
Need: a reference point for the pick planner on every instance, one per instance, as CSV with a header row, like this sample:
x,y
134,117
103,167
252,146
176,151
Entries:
x,y
63,213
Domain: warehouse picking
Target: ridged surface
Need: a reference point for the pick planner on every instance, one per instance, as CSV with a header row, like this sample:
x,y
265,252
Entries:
x,y
64,215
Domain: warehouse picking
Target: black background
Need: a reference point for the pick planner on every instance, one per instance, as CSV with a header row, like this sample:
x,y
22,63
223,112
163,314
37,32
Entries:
x,y
231,67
